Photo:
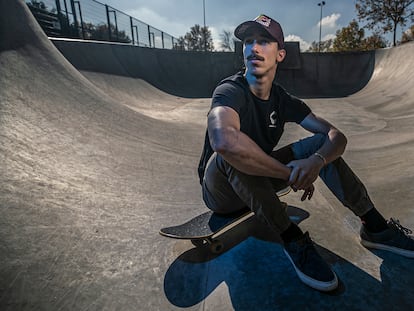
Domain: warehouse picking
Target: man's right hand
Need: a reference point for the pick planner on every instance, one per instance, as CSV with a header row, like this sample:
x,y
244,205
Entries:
x,y
308,193
304,172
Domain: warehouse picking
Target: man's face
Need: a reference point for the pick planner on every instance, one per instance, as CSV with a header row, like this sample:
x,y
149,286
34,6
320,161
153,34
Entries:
x,y
261,54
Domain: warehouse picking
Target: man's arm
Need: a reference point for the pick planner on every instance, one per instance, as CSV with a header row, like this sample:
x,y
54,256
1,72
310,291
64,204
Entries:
x,y
335,145
305,172
238,149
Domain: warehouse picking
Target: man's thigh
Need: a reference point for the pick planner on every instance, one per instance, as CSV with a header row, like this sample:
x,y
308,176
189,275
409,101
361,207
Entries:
x,y
218,193
222,185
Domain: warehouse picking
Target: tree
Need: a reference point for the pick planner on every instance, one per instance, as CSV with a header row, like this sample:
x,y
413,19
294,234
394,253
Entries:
x,y
349,38
352,38
376,41
180,44
100,32
197,39
227,40
408,35
326,46
385,15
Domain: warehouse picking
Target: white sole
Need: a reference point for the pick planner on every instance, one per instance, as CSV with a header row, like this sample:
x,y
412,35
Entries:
x,y
395,250
315,284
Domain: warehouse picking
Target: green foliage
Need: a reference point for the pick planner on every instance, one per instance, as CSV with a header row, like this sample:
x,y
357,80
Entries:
x,y
197,39
376,41
326,46
385,15
349,38
101,32
180,44
352,38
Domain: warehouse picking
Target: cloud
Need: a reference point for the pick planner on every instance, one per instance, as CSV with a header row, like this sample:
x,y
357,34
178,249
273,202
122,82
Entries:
x,y
160,22
216,38
330,21
216,33
303,45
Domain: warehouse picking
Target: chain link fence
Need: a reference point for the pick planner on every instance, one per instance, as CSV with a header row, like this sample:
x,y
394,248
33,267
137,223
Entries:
x,y
92,20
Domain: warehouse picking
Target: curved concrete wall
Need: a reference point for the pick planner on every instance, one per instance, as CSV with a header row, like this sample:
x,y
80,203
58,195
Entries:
x,y
329,74
195,74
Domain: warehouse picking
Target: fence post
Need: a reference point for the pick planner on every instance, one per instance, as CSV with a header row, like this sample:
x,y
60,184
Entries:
x,y
67,26
81,19
75,20
132,30
116,26
109,22
136,30
149,35
59,14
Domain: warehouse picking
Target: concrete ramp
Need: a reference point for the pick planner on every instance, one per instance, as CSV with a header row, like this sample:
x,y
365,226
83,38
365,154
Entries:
x,y
92,165
390,91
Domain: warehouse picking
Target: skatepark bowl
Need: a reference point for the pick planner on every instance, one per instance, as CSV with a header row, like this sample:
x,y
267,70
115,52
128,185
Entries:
x,y
97,153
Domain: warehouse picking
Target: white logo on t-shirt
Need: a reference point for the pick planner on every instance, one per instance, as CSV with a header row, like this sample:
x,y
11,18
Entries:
x,y
273,119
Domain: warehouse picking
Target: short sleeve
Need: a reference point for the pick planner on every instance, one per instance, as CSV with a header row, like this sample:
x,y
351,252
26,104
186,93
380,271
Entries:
x,y
229,94
295,109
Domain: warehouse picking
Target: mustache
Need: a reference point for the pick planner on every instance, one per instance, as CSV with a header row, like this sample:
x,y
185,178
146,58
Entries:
x,y
256,57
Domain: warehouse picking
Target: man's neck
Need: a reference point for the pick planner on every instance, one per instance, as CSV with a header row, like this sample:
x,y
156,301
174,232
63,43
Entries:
x,y
260,86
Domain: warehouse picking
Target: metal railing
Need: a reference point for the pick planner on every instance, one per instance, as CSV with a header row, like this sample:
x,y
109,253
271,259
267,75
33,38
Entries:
x,y
92,20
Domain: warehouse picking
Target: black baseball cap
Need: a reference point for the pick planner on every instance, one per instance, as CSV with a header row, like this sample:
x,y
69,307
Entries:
x,y
262,22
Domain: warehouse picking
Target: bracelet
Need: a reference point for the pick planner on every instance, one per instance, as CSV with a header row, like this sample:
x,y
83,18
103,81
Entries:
x,y
320,157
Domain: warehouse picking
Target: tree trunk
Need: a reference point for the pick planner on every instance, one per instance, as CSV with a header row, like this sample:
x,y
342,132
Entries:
x,y
394,43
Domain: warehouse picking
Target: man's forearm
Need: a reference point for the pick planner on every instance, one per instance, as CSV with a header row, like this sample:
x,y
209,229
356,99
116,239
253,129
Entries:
x,y
246,156
333,147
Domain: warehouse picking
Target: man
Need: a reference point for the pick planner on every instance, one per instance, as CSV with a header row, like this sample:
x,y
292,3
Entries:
x,y
239,166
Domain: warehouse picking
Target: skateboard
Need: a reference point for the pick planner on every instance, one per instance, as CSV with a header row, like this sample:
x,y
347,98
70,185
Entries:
x,y
205,229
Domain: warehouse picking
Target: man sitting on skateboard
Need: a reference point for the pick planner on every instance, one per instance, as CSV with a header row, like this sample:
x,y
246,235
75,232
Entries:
x,y
239,166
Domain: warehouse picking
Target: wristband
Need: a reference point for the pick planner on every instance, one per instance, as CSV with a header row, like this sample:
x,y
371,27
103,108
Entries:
x,y
321,157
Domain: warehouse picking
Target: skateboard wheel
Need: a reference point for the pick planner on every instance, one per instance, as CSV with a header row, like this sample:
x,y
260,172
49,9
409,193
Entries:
x,y
198,243
216,247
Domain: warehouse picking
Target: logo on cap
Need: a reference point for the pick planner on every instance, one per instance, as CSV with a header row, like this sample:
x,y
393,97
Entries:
x,y
264,20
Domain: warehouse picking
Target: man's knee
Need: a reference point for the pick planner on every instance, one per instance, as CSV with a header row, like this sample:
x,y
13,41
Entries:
x,y
283,155
304,148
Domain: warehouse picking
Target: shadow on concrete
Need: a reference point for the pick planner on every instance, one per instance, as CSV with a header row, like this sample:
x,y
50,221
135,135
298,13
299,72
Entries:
x,y
259,277
256,275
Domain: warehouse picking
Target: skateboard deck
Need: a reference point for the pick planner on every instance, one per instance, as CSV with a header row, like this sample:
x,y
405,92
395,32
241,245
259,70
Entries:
x,y
205,229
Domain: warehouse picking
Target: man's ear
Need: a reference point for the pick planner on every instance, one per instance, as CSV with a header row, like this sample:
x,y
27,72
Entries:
x,y
280,55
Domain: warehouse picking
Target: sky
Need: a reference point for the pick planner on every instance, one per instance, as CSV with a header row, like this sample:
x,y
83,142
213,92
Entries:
x,y
299,18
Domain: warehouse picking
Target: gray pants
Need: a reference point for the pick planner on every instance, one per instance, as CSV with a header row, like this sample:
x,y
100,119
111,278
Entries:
x,y
226,190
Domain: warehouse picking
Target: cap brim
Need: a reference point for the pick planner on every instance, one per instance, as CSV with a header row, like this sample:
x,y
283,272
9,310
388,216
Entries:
x,y
247,28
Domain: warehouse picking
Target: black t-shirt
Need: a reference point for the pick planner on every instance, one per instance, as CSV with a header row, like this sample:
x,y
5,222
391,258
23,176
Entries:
x,y
262,120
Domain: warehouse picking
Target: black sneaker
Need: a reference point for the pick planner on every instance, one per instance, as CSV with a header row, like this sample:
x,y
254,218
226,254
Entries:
x,y
395,239
309,265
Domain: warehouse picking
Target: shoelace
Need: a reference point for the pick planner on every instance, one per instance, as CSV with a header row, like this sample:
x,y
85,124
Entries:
x,y
395,223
